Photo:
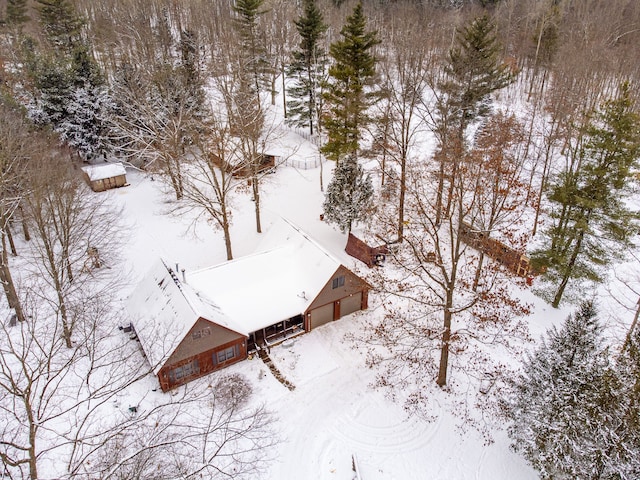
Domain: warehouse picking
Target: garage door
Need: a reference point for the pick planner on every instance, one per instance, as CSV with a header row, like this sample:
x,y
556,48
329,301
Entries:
x,y
321,315
350,304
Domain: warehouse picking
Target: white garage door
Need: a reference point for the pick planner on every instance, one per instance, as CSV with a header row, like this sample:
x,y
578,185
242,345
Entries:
x,y
321,315
350,304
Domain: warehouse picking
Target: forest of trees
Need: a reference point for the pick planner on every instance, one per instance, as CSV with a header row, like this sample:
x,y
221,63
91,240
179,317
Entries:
x,y
515,119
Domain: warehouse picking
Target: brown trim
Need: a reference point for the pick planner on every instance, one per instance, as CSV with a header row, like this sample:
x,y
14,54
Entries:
x,y
206,364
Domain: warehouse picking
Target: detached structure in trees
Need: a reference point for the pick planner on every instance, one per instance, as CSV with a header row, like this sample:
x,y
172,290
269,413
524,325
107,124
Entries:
x,y
105,176
515,261
190,324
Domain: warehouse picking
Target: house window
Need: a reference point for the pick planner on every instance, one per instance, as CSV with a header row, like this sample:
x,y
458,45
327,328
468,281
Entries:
x,y
227,354
338,282
184,371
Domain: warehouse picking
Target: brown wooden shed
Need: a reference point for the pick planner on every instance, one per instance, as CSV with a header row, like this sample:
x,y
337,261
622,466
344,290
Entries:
x,y
104,176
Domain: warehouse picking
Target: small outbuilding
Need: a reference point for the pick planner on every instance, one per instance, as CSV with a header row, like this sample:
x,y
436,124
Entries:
x,y
104,176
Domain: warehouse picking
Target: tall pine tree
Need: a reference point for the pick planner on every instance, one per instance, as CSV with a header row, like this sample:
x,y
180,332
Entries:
x,y
591,218
563,398
474,70
307,69
622,458
253,51
61,23
350,91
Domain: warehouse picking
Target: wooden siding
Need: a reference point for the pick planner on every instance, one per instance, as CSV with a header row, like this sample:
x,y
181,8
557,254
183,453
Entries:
x,y
515,261
371,256
206,364
330,295
106,183
190,346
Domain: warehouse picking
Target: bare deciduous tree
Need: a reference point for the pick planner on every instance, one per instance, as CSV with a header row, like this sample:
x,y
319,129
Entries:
x,y
404,70
433,310
52,397
209,180
17,144
208,431
76,239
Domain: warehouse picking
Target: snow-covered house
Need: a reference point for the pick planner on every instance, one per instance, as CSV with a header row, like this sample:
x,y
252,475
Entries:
x,y
104,176
182,333
291,285
215,316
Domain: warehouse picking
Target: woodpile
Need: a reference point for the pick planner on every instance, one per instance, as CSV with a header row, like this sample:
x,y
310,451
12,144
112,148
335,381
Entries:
x,y
517,262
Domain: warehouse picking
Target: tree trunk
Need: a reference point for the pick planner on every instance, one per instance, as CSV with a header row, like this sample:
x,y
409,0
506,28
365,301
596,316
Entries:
x,y
321,180
25,227
227,234
446,337
33,431
256,199
403,190
440,193
454,173
476,279
444,350
12,244
284,93
568,270
7,283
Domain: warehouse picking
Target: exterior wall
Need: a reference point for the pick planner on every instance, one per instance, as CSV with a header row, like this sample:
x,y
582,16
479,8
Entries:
x,y
329,295
211,339
217,336
107,183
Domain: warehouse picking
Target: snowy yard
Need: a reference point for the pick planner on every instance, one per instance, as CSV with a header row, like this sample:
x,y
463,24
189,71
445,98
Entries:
x,y
333,413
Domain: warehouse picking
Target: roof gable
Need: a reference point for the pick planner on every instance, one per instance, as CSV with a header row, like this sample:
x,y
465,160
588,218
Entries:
x,y
100,171
163,310
264,288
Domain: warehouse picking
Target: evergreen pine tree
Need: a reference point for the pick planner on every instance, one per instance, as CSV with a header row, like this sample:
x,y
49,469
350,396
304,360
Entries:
x,y
307,69
255,64
563,400
622,459
53,81
348,195
591,219
350,91
475,70
17,13
61,23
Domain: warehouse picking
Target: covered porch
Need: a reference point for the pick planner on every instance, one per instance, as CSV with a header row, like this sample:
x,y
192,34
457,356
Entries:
x,y
276,333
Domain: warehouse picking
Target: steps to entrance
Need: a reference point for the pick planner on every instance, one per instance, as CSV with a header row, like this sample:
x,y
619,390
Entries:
x,y
264,356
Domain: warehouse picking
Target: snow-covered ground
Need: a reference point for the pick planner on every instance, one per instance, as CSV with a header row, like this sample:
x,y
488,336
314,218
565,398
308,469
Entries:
x,y
333,414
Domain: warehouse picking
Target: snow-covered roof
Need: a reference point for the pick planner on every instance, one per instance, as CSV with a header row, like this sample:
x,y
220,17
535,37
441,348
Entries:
x,y
163,310
270,286
100,171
